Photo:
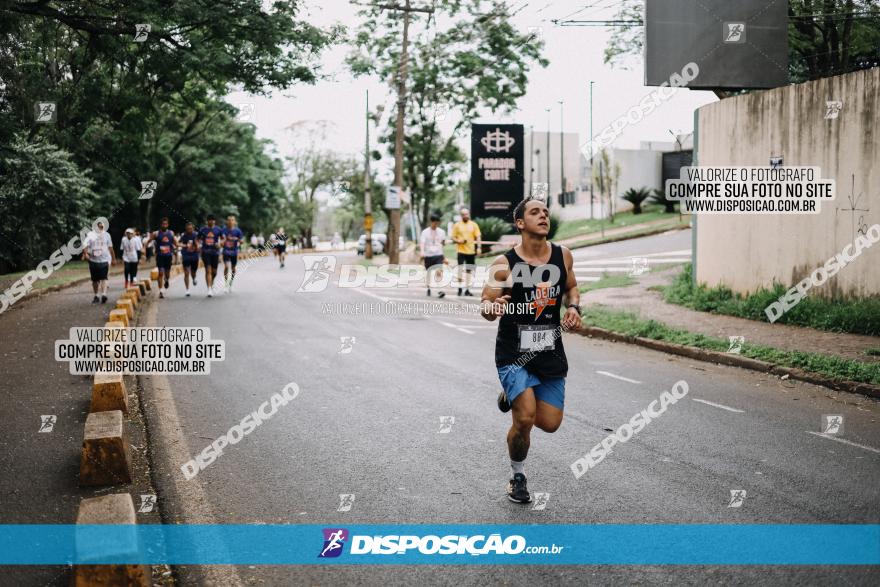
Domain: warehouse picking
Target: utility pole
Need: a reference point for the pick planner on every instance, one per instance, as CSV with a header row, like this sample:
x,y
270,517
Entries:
x,y
394,214
591,149
549,192
561,154
368,204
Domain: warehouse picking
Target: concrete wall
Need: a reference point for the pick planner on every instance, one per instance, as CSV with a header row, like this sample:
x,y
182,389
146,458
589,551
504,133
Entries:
x,y
638,169
747,251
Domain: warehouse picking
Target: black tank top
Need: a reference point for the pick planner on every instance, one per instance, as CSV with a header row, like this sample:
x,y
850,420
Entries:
x,y
529,333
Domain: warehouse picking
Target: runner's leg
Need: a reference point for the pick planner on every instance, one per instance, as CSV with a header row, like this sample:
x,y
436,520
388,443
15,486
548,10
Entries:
x,y
518,442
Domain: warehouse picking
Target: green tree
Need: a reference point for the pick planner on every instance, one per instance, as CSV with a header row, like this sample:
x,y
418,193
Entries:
x,y
39,181
312,170
134,111
477,63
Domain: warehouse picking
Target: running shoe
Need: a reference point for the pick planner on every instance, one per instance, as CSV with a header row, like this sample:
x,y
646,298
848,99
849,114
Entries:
x,y
503,404
161,295
517,491
442,294
429,292
103,299
467,292
95,300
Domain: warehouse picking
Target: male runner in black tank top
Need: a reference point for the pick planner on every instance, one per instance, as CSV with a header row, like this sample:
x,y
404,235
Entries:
x,y
526,289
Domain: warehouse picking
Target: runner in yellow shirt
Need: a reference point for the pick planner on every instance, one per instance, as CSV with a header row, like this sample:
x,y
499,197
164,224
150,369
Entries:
x,y
465,235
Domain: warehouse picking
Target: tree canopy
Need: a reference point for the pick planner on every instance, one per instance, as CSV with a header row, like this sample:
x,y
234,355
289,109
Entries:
x,y
130,106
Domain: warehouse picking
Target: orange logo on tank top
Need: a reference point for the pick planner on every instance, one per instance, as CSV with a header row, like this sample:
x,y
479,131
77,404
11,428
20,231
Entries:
x,y
542,299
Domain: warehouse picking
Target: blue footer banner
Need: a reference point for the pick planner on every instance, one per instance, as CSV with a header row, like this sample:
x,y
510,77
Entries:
x,y
611,544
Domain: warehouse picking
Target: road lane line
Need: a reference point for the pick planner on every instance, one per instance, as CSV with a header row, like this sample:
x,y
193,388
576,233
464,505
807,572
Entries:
x,y
843,440
723,407
607,374
453,326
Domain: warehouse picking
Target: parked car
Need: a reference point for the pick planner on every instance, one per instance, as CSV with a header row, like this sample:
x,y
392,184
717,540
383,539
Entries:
x,y
378,244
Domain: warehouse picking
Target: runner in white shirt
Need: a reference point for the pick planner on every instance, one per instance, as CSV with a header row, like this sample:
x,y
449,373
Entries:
x,y
431,245
131,247
98,251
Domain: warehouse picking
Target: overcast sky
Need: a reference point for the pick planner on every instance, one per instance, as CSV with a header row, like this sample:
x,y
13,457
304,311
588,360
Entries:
x,y
575,55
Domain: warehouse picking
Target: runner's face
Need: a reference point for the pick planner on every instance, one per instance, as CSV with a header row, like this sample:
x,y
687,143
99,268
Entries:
x,y
435,224
164,225
230,223
536,219
465,215
211,223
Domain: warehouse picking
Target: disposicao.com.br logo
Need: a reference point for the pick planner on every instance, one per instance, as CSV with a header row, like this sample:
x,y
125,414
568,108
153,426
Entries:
x,y
335,538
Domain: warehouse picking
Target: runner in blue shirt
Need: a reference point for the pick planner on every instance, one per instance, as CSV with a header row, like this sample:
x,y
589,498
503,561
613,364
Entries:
x,y
232,236
189,242
210,238
166,243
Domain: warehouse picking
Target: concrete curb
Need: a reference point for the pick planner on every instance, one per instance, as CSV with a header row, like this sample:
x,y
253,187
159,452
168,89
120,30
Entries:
x,y
602,241
116,508
735,361
625,237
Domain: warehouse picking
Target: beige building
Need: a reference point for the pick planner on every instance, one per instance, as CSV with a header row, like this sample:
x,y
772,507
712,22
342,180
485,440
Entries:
x,y
796,123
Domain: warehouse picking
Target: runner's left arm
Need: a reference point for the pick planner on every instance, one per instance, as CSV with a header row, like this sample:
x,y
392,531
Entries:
x,y
572,317
112,250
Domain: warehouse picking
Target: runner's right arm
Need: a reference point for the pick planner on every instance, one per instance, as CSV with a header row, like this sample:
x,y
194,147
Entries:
x,y
494,300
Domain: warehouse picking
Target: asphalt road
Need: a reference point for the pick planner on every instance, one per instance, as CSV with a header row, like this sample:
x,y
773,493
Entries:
x,y
368,418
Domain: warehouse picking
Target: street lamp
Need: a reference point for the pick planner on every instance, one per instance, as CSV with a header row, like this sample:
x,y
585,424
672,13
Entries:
x,y
591,148
561,154
548,158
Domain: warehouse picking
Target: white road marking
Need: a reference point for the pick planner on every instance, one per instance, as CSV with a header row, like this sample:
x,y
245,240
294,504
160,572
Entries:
x,y
728,408
453,326
607,374
843,440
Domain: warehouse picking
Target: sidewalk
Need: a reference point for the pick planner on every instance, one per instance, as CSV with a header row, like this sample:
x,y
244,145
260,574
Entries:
x,y
71,274
639,229
39,484
651,305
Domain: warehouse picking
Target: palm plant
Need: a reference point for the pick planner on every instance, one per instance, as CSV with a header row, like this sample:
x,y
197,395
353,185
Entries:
x,y
636,197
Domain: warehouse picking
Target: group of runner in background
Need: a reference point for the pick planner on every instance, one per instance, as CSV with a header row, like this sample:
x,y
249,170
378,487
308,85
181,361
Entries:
x,y
207,244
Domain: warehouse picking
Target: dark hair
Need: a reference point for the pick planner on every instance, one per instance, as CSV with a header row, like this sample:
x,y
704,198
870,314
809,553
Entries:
x,y
520,210
435,217
190,224
164,219
210,217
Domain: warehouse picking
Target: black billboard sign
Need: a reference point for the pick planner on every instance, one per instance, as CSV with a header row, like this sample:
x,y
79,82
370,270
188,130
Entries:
x,y
722,44
497,179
